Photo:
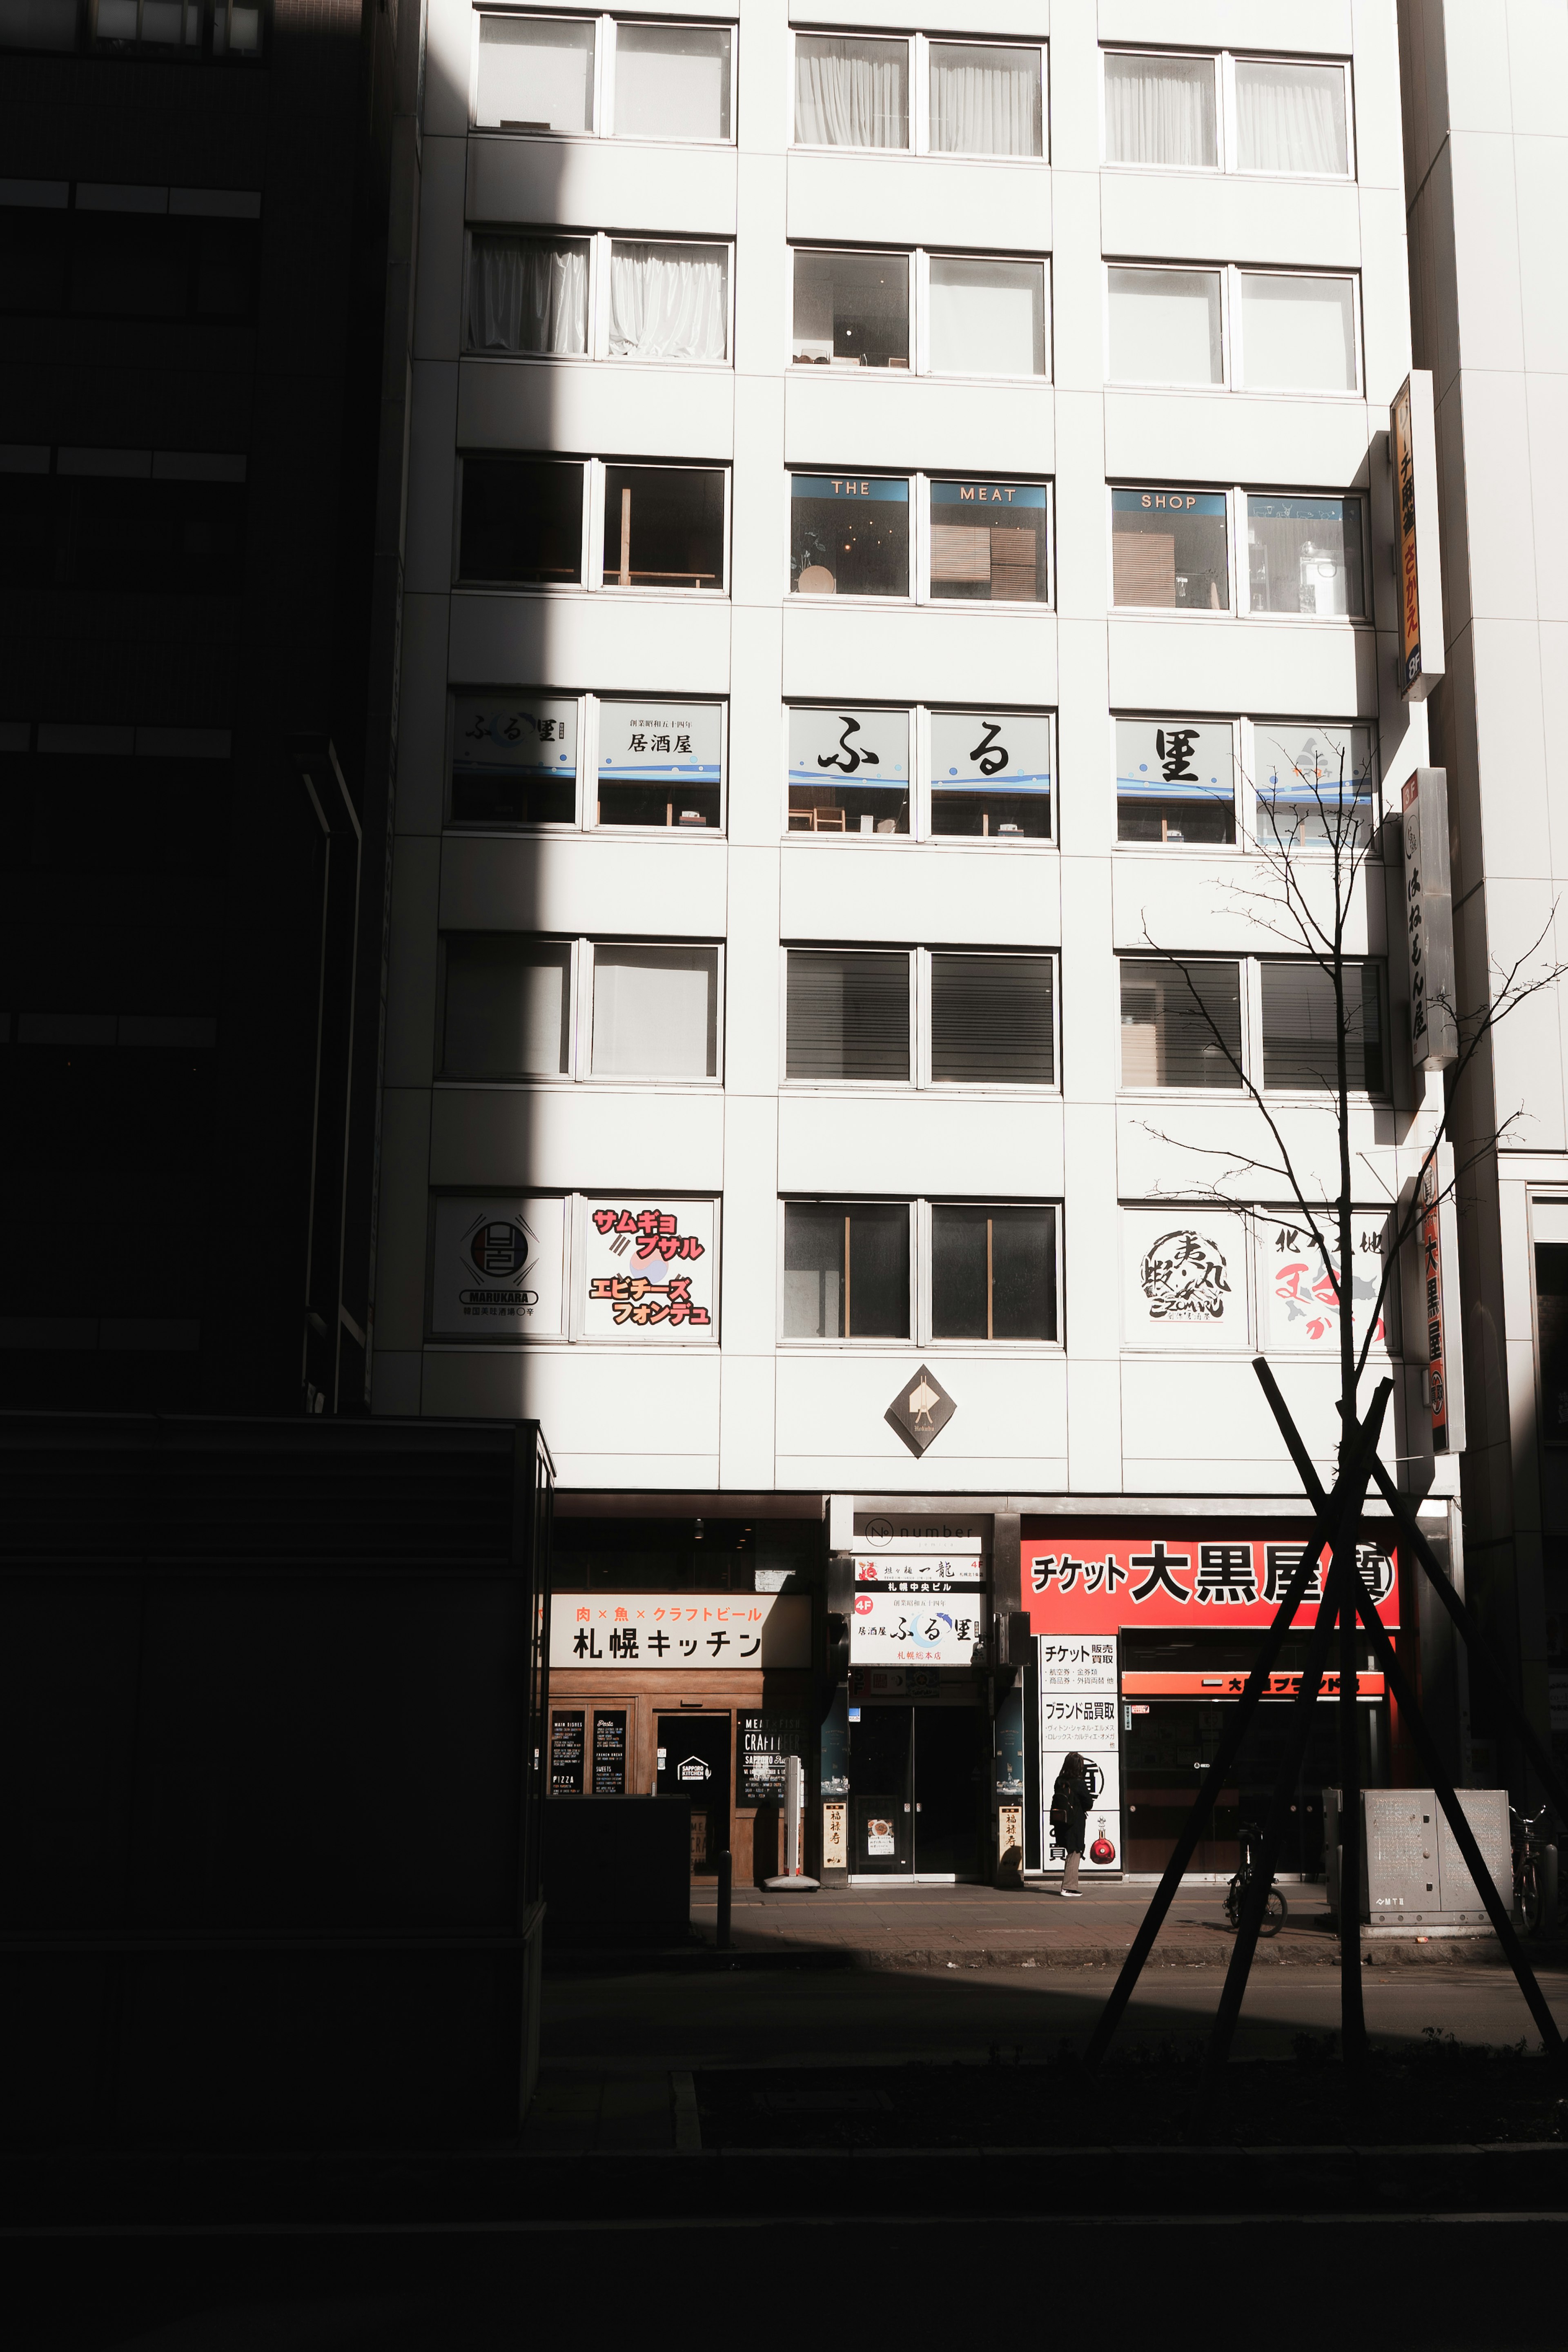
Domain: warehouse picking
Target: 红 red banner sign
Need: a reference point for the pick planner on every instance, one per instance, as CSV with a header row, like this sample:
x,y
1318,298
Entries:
x,y
1099,1580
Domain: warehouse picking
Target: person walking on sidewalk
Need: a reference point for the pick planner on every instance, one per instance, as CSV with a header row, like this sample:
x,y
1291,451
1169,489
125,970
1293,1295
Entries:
x,y
1070,1801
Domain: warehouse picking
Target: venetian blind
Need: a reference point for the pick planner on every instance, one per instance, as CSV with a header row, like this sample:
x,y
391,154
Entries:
x,y
991,1020
849,1016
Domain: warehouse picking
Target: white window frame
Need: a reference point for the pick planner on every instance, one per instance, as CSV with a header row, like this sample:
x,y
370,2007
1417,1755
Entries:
x,y
1240,607
1227,141
919,259
921,1257
586,820
599,242
591,559
575,1211
1251,992
1246,769
919,46
921,826
580,1071
1232,363
603,72
920,591
920,1080
1152,716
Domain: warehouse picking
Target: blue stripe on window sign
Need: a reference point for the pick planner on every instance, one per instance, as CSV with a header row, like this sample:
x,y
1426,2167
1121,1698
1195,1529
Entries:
x,y
1175,502
862,487
976,782
997,495
698,770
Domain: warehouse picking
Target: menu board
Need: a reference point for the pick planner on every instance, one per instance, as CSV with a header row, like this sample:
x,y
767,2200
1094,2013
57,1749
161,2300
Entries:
x,y
610,1755
764,1744
566,1732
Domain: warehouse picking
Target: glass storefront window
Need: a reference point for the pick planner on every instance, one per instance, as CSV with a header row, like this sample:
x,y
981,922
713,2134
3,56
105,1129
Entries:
x,y
1175,782
1303,555
1169,550
849,535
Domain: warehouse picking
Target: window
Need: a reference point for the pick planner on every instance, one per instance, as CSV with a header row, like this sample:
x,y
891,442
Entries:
x,y
540,74
985,541
993,1020
1160,111
849,535
637,1268
1298,334
649,1009
658,760
205,31
507,1010
1175,782
169,521
874,1016
1303,555
984,100
847,1016
1314,786
672,82
852,310
970,97
1169,549
663,527
74,803
1179,1026
993,1272
1549,1232
129,253
1287,332
972,316
987,775
1299,1027
1181,112
987,1270
541,297
523,524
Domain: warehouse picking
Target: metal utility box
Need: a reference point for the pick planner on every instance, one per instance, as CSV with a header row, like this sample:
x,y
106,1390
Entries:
x,y
1412,1872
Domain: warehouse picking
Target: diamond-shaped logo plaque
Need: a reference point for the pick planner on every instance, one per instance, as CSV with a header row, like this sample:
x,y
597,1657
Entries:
x,y
920,1410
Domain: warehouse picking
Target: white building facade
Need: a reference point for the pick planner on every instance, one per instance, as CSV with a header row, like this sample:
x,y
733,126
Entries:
x,y
897,510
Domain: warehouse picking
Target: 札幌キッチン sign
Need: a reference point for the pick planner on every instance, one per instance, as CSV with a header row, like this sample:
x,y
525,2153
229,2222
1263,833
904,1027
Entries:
x,y
679,1631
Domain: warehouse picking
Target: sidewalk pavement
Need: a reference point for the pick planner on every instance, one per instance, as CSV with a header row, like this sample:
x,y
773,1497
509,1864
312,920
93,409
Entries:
x,y
1032,1926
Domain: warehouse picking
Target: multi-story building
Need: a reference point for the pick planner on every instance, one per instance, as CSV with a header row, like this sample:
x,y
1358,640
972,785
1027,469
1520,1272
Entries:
x,y
900,523
1484,153
200,256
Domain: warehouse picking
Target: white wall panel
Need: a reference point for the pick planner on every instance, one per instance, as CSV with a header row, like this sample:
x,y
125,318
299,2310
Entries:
x,y
438,284
1196,900
832,1411
976,1145
924,894
925,654
1223,217
833,418
639,886
920,200
1276,666
576,1137
422,716
1272,440
1169,1146
606,408
666,1400
1290,27
661,645
603,183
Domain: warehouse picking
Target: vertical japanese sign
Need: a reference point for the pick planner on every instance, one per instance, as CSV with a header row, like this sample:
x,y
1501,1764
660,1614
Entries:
x,y
1432,1296
1413,454
648,1269
1079,1701
1428,919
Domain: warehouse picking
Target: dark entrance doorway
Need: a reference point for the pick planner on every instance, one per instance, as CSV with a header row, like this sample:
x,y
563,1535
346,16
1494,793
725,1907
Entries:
x,y
1170,1747
694,1761
917,1780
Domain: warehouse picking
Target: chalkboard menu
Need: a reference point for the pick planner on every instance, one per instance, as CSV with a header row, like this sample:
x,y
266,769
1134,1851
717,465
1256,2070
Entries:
x,y
610,1755
762,1743
566,1736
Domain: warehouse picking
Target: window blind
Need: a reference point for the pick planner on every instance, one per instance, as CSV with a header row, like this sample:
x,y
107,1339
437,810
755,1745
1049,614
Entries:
x,y
1299,1026
655,1012
508,1003
847,1015
1180,1028
991,1020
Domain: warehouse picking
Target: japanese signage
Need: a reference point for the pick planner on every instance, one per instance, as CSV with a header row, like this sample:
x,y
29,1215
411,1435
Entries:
x,y
1076,1664
610,1755
1079,1708
684,1631
566,1730
1428,919
1092,1580
834,1837
920,1410
1300,1304
1184,1278
1412,447
1330,764
764,1744
911,1572
1432,1301
1006,749
889,1630
828,746
648,1268
514,736
646,741
1173,759
498,1267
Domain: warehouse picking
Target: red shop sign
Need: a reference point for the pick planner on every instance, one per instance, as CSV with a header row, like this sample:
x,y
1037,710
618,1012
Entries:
x,y
1088,1579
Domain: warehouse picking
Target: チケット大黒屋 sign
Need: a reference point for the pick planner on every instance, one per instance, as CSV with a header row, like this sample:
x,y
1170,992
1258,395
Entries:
x,y
1089,1580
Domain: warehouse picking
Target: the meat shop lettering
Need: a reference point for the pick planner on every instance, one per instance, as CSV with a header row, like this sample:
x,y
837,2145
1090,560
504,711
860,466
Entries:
x,y
1225,1573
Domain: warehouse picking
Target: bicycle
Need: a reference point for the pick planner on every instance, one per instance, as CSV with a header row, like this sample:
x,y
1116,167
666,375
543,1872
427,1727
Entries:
x,y
1275,1909
1530,1839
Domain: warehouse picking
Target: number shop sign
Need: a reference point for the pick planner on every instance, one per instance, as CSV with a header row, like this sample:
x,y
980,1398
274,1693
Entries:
x,y
684,1631
1096,1579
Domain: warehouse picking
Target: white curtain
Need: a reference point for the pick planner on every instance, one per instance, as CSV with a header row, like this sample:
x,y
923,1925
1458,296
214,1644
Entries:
x,y
525,296
1291,118
1298,334
668,302
983,101
850,93
1159,109
1165,327
987,317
